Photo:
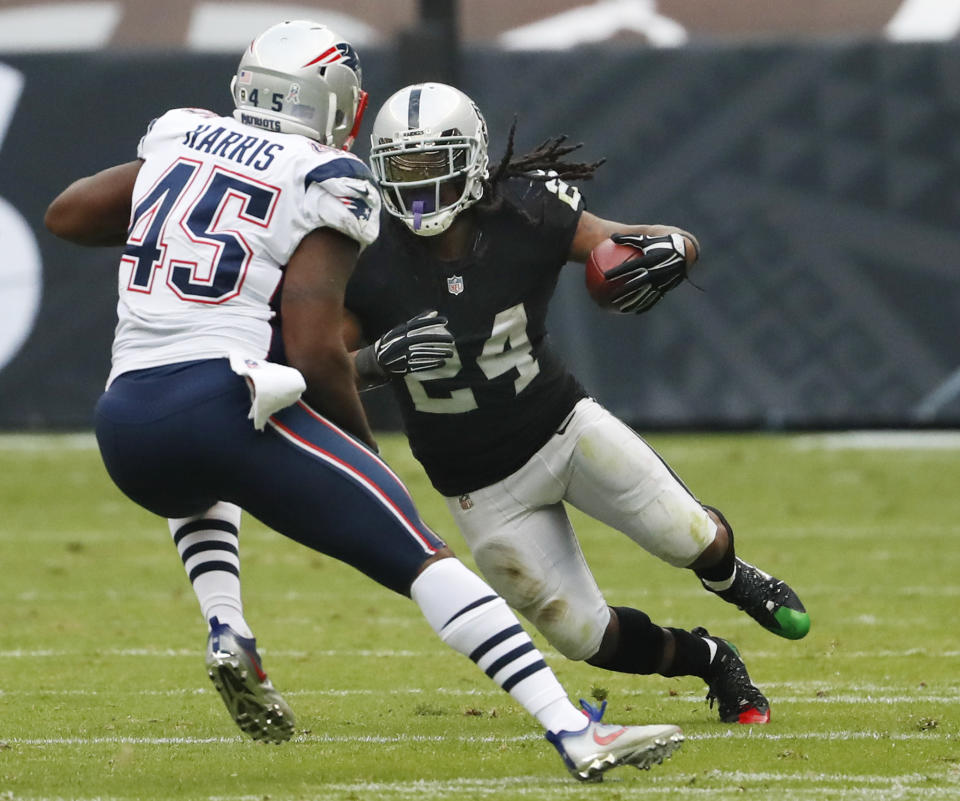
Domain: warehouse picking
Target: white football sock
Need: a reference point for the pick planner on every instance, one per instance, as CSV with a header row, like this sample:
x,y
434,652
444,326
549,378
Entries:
x,y
472,619
209,548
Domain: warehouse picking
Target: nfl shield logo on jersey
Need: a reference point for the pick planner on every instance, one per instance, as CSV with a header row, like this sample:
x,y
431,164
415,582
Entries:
x,y
455,284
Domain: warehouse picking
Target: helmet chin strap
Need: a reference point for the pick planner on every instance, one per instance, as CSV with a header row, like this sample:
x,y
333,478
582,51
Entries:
x,y
417,214
361,107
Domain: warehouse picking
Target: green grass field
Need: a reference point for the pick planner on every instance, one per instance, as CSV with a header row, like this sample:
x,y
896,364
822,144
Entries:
x,y
103,692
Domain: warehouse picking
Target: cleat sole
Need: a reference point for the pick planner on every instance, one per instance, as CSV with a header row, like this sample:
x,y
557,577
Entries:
x,y
753,716
643,758
662,749
256,709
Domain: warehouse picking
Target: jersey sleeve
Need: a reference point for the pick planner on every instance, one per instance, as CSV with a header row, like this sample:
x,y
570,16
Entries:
x,y
142,144
341,194
556,206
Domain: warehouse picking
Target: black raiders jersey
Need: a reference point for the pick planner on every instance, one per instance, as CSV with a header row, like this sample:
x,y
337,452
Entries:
x,y
482,415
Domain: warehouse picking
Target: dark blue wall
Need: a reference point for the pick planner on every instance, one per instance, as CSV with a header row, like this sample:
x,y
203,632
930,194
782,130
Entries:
x,y
822,182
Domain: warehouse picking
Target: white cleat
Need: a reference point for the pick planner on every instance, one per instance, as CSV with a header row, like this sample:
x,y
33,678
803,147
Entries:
x,y
598,747
234,667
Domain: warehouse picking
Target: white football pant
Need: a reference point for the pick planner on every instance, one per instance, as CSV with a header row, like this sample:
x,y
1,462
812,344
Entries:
x,y
522,540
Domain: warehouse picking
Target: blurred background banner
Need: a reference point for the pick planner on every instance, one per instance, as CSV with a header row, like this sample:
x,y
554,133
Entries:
x,y
821,174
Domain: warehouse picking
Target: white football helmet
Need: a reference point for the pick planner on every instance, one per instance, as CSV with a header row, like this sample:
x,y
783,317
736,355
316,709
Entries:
x,y
300,77
428,150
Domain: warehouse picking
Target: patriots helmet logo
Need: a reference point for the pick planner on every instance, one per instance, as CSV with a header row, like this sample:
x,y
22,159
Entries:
x,y
339,53
349,56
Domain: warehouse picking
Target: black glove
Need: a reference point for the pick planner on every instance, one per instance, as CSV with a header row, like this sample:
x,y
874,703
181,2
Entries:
x,y
421,343
662,266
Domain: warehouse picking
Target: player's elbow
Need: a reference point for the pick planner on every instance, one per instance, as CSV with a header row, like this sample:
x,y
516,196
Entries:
x,y
68,220
95,210
60,221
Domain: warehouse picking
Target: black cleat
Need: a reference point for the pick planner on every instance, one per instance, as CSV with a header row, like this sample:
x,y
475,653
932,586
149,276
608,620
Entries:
x,y
767,600
737,699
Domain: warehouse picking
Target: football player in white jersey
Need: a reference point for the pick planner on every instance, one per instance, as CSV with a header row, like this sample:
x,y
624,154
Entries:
x,y
239,234
504,431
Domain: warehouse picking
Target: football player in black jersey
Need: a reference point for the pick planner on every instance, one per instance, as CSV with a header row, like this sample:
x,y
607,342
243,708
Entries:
x,y
453,296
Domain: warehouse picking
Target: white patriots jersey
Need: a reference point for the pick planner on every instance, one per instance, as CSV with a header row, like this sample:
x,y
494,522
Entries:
x,y
218,209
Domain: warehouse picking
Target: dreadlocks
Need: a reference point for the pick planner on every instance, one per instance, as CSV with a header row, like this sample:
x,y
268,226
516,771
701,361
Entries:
x,y
541,164
544,163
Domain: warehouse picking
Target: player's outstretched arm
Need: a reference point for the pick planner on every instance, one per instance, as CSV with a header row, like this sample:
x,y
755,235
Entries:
x,y
312,313
95,210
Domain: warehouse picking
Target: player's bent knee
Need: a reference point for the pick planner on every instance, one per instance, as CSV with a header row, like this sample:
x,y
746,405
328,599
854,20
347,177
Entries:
x,y
573,621
520,580
575,635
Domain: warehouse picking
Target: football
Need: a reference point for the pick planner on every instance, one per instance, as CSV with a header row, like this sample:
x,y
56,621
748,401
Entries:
x,y
603,258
